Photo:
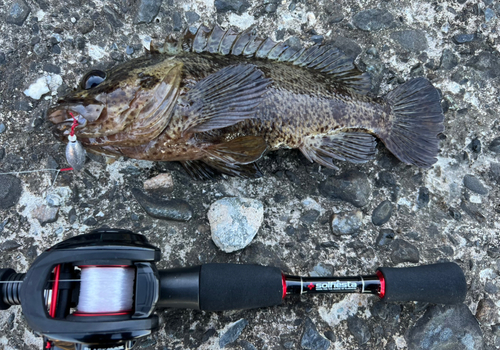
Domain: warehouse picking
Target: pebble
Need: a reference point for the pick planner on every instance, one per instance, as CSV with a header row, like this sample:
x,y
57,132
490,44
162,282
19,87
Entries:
x,y
112,17
473,184
9,245
475,146
353,187
238,6
85,25
90,221
495,145
489,14
488,63
232,333
10,191
318,39
37,89
382,213
446,327
346,223
173,209
487,312
17,12
448,60
177,21
129,50
385,237
53,200
2,58
147,10
162,183
234,222
495,172
310,216
359,329
455,214
311,339
423,197
348,46
473,210
192,17
412,40
2,128
464,38
51,68
373,19
45,214
271,8
403,251
385,179
246,345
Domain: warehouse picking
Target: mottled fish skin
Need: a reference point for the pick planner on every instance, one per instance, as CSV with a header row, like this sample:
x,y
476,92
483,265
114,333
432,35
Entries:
x,y
166,107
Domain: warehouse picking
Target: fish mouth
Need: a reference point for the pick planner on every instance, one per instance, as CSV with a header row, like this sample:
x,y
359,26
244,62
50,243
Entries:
x,y
61,116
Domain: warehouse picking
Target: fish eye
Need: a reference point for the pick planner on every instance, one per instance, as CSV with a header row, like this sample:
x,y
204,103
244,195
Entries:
x,y
92,79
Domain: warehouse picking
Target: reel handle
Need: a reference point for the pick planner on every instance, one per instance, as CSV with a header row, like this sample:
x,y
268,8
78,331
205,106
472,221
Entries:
x,y
442,283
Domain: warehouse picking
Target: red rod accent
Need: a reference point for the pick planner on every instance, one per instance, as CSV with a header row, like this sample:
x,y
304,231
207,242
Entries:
x,y
283,282
103,314
55,289
382,284
80,266
66,169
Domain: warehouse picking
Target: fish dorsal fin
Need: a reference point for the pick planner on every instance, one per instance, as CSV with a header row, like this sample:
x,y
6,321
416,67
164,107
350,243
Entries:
x,y
324,58
222,99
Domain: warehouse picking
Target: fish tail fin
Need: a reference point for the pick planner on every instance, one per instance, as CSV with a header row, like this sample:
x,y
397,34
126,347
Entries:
x,y
417,119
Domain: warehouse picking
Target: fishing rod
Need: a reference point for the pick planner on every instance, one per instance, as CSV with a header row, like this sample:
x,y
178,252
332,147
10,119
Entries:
x,y
101,290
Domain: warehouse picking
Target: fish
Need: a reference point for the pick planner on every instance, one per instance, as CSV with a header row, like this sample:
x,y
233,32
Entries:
x,y
217,100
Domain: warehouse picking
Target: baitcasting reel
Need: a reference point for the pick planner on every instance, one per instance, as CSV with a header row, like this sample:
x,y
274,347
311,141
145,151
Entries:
x,y
100,290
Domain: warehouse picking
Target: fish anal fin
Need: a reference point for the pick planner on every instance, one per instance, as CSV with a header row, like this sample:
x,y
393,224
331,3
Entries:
x,y
223,99
241,150
351,146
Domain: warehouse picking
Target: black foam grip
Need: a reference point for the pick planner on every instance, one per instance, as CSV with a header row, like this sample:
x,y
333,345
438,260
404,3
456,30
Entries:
x,y
442,283
234,287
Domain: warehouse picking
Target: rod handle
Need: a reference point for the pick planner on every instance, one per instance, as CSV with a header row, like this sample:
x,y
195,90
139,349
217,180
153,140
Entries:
x,y
235,286
442,283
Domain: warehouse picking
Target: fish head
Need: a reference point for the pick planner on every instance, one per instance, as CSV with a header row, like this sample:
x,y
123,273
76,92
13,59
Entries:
x,y
105,102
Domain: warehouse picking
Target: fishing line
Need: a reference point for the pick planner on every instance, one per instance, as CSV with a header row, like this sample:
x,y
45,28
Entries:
x,y
106,289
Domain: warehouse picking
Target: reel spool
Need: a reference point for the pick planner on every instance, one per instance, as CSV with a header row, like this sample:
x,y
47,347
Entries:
x,y
105,290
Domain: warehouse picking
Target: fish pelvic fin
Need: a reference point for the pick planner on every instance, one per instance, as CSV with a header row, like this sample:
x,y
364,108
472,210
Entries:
x,y
241,150
323,58
417,119
222,99
351,146
211,169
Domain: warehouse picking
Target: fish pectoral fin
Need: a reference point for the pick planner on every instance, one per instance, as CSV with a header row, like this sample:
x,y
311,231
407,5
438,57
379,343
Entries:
x,y
224,98
211,169
241,150
354,147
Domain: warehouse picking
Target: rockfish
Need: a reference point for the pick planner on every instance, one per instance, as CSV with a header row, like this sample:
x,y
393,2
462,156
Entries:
x,y
217,100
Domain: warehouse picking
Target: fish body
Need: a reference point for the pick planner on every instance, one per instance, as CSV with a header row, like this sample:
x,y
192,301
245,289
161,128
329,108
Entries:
x,y
222,99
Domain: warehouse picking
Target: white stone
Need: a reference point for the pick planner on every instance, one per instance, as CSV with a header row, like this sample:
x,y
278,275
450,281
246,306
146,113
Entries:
x,y
96,52
234,222
37,89
160,182
243,22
